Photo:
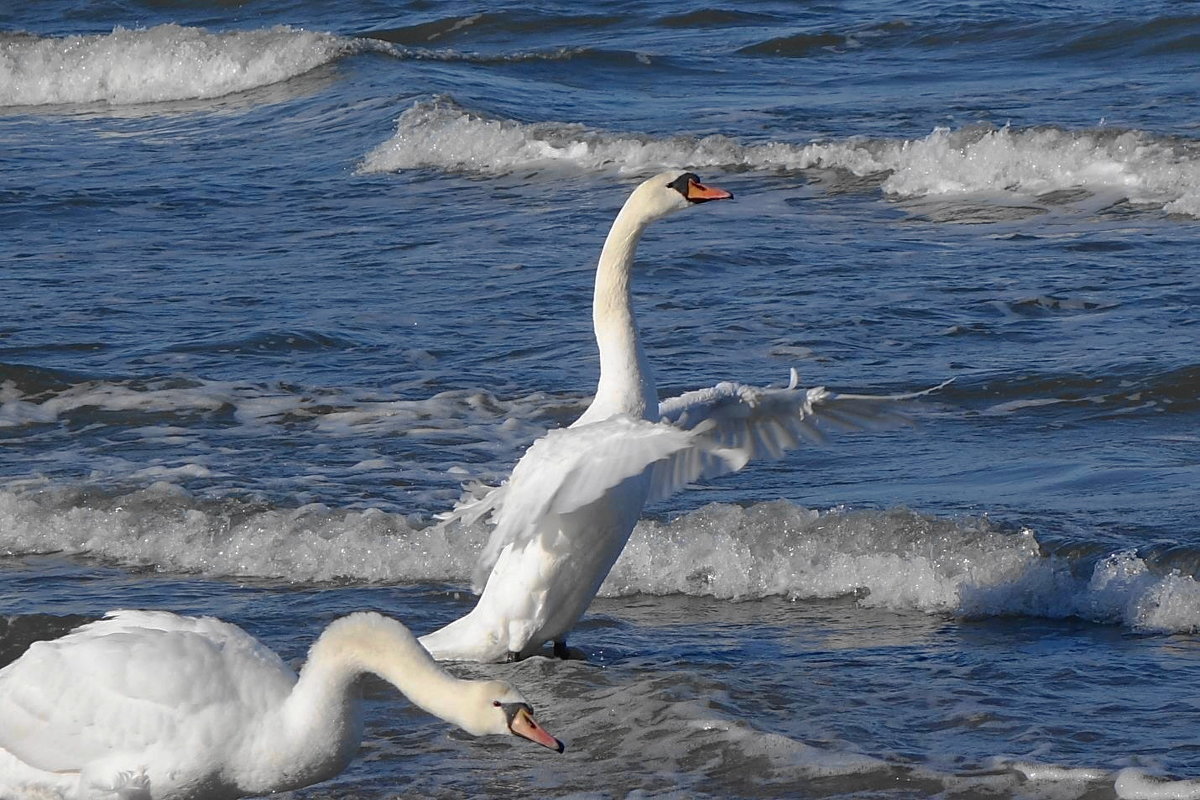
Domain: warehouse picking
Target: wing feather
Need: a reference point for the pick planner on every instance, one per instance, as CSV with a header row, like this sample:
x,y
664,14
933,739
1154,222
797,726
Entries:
x,y
568,469
701,434
746,422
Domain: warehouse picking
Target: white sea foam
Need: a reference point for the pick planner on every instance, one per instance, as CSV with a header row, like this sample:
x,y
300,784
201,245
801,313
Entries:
x,y
1004,162
895,559
164,527
1052,773
442,135
166,62
357,448
1134,784
256,406
17,409
361,448
1132,165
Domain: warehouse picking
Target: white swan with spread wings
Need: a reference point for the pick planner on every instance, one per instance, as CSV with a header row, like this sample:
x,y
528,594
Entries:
x,y
566,512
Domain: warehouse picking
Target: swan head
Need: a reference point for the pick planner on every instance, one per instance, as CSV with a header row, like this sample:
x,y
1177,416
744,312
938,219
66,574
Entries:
x,y
498,708
367,641
672,191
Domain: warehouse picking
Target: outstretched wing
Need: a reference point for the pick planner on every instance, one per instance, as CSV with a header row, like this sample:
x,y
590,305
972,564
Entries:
x,y
735,423
568,469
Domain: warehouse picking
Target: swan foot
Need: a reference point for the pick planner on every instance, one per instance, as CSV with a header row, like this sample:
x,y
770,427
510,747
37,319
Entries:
x,y
568,653
561,651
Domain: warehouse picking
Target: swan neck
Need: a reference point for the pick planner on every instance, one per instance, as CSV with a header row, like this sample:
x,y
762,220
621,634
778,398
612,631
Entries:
x,y
377,645
626,385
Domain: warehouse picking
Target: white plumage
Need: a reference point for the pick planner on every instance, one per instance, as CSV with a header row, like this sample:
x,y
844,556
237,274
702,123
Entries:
x,y
566,512
149,705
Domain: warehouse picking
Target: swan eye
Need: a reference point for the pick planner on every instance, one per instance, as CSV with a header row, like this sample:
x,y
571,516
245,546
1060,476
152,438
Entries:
x,y
496,703
681,183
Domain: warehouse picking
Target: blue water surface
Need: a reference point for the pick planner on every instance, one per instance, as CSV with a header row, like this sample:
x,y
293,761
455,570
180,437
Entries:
x,y
250,340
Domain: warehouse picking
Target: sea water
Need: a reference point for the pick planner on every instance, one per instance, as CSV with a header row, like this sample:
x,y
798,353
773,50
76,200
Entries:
x,y
279,278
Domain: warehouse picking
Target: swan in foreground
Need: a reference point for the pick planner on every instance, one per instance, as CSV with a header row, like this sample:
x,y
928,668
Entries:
x,y
148,705
571,503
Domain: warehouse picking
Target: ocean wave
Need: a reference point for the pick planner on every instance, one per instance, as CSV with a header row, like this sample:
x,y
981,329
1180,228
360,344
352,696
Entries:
x,y
978,161
164,63
718,18
440,134
1099,39
588,55
1131,165
797,45
277,342
424,33
360,447
31,396
164,527
23,404
1134,37
678,721
896,559
1125,390
484,24
1134,784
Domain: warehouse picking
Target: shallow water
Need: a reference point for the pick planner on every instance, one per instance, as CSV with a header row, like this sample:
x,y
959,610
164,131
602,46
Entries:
x,y
279,278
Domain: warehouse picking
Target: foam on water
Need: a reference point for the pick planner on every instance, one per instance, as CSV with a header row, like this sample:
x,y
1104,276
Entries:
x,y
440,134
1141,168
980,160
671,727
163,526
162,63
896,559
255,404
685,723
260,410
1134,784
367,448
18,409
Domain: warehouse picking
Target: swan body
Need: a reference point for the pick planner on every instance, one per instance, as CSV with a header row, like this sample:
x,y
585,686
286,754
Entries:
x,y
571,503
562,518
150,705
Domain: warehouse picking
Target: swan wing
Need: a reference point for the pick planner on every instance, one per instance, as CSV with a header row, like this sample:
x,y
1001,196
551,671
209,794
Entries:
x,y
568,469
125,683
478,501
735,423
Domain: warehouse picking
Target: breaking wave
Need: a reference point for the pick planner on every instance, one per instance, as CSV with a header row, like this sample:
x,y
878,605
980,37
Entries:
x,y
164,63
895,559
1117,165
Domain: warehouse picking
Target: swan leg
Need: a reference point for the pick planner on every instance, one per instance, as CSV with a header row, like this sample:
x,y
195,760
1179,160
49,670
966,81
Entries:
x,y
511,656
561,650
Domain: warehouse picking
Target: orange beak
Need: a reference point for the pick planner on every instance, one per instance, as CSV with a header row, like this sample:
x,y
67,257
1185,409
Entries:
x,y
522,723
697,192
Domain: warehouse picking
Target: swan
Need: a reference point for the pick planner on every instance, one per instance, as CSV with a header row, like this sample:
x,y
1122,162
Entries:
x,y
150,705
569,506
